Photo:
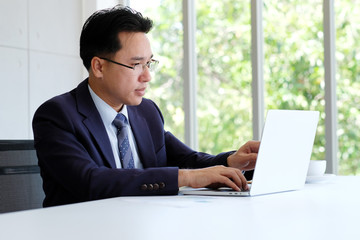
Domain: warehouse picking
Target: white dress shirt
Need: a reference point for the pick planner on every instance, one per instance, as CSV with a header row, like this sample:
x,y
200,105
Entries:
x,y
108,115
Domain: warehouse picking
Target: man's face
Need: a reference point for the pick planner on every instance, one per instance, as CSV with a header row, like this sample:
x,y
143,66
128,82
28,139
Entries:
x,y
121,85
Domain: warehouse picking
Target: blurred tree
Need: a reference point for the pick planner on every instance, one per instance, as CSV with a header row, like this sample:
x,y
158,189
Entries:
x,y
166,87
224,74
348,84
293,67
293,73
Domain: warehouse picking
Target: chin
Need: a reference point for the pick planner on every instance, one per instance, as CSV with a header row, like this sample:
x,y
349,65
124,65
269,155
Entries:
x,y
135,102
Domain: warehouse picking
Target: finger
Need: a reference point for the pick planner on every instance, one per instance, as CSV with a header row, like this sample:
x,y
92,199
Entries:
x,y
242,180
249,160
243,161
235,177
254,146
238,178
226,181
251,147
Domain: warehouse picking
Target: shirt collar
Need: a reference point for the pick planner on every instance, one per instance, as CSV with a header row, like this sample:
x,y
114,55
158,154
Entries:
x,y
106,112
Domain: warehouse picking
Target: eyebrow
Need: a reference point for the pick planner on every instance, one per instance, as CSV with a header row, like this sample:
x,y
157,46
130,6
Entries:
x,y
137,58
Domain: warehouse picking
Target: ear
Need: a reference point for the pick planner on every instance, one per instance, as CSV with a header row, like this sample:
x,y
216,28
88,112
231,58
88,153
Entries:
x,y
97,67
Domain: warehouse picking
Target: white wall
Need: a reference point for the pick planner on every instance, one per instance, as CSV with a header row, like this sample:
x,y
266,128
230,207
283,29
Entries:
x,y
39,58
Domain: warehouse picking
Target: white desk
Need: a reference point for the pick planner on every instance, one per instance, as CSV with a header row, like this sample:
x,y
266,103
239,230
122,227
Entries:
x,y
325,210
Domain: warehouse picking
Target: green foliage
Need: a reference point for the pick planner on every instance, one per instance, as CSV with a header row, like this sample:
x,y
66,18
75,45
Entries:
x,y
293,70
224,74
166,87
348,84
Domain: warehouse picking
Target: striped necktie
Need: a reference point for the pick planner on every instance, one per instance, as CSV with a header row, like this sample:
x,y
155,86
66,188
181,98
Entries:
x,y
126,157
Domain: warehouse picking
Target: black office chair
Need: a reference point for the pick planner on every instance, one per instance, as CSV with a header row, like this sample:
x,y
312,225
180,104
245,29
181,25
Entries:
x,y
20,181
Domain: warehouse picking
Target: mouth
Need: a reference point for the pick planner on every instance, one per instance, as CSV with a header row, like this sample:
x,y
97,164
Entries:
x,y
140,91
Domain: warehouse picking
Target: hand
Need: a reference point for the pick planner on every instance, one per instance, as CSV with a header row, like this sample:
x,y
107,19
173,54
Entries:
x,y
245,157
217,176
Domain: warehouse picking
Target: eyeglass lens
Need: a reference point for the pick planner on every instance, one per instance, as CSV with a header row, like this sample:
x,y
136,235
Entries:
x,y
151,65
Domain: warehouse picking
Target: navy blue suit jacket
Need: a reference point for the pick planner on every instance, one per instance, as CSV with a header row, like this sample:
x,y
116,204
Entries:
x,y
77,162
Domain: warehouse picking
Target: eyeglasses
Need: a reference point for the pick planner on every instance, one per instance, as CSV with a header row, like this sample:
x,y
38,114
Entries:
x,y
138,67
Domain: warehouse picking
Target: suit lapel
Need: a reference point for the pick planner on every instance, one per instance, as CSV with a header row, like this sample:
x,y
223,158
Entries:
x,y
143,138
94,123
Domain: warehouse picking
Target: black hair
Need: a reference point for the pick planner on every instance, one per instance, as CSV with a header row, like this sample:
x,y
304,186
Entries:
x,y
99,35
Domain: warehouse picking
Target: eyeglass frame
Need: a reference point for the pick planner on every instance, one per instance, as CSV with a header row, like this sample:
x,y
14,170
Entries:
x,y
133,68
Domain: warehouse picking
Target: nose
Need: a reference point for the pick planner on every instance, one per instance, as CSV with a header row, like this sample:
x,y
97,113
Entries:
x,y
145,75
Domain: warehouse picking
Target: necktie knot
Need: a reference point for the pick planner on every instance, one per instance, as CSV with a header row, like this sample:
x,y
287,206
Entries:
x,y
120,121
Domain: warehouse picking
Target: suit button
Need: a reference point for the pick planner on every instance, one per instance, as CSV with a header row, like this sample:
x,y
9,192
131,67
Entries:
x,y
162,185
150,187
156,186
143,187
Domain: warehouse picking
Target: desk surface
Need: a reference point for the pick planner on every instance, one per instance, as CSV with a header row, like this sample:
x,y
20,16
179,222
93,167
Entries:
x,y
323,210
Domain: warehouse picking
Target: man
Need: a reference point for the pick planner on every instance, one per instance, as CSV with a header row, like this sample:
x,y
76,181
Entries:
x,y
103,140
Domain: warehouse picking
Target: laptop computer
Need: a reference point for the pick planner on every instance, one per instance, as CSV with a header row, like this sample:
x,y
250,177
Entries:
x,y
283,158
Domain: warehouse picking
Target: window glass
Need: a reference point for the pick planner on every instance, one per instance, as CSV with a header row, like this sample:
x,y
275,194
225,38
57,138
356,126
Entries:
x,y
293,69
347,20
293,65
166,87
223,41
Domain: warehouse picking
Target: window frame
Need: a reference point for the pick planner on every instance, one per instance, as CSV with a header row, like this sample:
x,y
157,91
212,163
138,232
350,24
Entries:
x,y
257,58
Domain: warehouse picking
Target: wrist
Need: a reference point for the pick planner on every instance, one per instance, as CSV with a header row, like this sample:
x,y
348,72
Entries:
x,y
183,178
229,159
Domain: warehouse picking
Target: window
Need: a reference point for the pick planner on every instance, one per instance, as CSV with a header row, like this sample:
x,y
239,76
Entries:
x,y
293,69
294,55
223,41
348,84
166,87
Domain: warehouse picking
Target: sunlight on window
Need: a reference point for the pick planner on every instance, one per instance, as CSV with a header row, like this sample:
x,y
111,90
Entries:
x,y
293,69
166,87
293,66
224,74
348,85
